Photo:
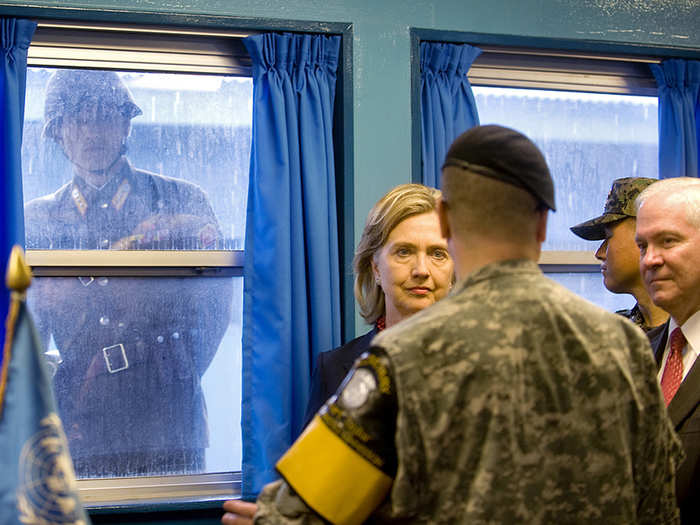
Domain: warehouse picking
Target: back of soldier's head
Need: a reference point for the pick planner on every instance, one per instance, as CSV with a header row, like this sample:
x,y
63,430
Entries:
x,y
495,180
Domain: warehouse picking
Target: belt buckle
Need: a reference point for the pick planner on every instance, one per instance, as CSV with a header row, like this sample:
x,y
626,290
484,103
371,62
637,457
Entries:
x,y
86,281
115,358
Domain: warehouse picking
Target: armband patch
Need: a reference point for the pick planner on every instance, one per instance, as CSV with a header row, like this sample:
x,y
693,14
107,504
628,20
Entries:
x,y
344,462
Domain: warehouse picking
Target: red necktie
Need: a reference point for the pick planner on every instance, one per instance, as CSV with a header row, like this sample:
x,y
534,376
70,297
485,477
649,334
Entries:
x,y
673,373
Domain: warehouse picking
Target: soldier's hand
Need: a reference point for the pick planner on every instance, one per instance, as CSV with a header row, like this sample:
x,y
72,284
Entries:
x,y
238,512
164,229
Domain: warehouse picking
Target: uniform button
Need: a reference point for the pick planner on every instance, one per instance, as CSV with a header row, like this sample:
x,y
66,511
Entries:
x,y
104,321
103,281
121,325
104,243
104,205
176,335
160,338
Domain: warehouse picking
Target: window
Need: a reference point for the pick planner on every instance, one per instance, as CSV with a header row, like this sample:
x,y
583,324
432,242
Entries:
x,y
135,171
595,120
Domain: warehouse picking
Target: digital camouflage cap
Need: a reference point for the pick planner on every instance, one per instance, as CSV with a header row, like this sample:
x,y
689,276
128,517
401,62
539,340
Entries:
x,y
619,205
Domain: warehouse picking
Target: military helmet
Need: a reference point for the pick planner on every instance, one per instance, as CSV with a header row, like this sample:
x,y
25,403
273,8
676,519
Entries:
x,y
70,89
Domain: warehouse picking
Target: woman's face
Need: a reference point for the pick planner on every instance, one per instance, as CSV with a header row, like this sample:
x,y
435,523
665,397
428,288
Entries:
x,y
413,267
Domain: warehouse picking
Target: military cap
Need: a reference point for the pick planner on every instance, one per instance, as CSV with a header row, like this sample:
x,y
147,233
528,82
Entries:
x,y
70,89
506,155
619,205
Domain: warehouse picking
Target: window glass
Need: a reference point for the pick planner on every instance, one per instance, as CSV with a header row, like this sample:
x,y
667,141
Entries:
x,y
146,366
146,371
193,128
590,285
589,139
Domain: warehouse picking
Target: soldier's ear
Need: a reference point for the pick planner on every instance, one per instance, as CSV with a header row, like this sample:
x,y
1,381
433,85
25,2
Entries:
x,y
444,219
543,214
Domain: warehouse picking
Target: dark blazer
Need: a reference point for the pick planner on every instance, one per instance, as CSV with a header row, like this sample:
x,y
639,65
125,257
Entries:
x,y
331,369
684,411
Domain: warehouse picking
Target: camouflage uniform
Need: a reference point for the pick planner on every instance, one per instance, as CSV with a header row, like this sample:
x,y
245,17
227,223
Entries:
x,y
519,402
619,205
133,350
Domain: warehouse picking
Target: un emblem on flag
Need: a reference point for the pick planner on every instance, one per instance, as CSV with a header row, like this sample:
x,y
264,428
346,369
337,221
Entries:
x,y
47,492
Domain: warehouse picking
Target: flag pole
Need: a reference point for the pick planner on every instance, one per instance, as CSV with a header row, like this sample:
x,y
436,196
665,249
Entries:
x,y
17,278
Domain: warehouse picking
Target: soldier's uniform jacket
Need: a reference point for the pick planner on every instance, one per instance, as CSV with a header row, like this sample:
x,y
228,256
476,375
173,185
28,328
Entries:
x,y
133,350
634,314
519,402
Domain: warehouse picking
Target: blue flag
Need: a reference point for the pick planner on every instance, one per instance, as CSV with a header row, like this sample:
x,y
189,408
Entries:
x,y
37,484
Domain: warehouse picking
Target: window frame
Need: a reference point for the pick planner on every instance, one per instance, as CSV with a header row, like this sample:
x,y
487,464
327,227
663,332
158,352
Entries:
x,y
164,493
545,63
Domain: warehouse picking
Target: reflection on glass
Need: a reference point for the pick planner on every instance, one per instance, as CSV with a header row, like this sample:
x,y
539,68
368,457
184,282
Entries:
x,y
590,286
135,160
589,139
129,356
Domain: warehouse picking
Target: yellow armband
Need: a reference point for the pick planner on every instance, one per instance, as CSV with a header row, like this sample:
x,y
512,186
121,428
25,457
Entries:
x,y
343,464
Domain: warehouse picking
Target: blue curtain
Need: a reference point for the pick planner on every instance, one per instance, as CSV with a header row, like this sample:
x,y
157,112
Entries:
x,y
291,295
447,102
679,117
15,36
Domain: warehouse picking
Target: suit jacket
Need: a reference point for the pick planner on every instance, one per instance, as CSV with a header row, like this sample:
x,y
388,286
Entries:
x,y
331,369
684,411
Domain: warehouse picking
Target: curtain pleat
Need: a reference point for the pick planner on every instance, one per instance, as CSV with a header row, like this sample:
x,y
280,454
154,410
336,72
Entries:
x,y
679,117
15,36
447,102
291,305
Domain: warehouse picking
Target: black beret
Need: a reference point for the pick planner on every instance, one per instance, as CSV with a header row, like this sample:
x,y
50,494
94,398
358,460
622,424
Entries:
x,y
506,155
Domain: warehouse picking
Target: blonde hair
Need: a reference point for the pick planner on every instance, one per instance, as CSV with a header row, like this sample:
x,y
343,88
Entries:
x,y
398,204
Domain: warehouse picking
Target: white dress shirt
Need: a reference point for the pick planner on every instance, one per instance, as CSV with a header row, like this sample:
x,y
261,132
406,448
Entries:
x,y
691,331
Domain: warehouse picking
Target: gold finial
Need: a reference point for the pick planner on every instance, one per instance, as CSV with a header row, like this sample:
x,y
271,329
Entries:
x,y
19,275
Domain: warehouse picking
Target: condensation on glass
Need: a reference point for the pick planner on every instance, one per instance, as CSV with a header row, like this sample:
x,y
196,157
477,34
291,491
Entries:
x,y
590,286
193,128
589,140
146,370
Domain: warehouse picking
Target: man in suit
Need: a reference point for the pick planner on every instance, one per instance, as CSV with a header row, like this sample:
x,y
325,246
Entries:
x,y
668,236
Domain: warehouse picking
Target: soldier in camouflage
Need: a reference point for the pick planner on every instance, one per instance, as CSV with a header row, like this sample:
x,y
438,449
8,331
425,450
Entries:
x,y
511,401
619,254
132,350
